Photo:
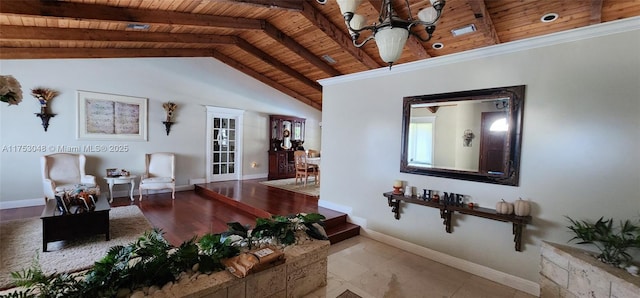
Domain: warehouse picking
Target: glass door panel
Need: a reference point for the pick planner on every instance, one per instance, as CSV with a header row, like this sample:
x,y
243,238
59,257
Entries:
x,y
224,135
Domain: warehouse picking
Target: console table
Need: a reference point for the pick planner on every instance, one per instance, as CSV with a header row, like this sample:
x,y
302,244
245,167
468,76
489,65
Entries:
x,y
446,211
56,226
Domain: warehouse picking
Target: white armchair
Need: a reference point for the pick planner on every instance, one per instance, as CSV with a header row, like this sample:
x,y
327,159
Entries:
x,y
64,172
159,173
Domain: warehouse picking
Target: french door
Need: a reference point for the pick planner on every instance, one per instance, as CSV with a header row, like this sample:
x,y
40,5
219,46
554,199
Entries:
x,y
224,144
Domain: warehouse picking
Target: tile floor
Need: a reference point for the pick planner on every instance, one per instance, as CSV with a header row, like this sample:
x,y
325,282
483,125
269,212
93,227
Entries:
x,y
373,269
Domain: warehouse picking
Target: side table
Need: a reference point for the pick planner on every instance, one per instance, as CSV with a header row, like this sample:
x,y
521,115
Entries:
x,y
131,179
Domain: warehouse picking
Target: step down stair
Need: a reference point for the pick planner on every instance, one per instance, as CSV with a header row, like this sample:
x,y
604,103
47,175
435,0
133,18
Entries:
x,y
335,224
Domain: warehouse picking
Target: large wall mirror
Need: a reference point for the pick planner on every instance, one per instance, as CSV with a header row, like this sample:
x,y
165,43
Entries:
x,y
470,135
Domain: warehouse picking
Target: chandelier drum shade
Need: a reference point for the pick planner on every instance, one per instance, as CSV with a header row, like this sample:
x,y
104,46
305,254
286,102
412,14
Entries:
x,y
390,31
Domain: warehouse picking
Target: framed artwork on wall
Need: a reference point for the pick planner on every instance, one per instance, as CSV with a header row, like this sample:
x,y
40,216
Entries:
x,y
103,116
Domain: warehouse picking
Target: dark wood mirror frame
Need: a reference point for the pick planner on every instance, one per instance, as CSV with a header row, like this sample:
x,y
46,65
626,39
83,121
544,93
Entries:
x,y
511,173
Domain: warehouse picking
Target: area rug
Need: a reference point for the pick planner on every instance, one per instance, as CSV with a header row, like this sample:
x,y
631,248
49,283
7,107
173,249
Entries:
x,y
21,243
312,189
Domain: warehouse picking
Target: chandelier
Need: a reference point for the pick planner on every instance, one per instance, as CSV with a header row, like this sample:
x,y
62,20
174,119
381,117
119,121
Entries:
x,y
391,31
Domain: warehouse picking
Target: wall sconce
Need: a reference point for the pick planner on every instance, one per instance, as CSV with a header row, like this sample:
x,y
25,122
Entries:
x,y
169,108
11,91
501,105
467,137
44,95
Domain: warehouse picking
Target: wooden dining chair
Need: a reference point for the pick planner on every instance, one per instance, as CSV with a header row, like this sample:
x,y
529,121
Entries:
x,y
304,170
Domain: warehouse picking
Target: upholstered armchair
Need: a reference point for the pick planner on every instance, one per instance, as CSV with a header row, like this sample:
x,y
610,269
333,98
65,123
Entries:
x,y
159,173
65,172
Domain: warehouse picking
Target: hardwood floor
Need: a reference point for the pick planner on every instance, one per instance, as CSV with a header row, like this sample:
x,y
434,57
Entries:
x,y
195,213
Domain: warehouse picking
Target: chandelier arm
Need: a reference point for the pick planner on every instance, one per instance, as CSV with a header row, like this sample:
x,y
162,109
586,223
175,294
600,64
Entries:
x,y
420,37
372,28
409,8
357,45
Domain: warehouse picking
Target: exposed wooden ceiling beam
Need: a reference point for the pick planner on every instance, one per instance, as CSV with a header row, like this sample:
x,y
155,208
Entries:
x,y
295,47
60,53
39,33
596,12
342,38
250,72
81,11
413,44
247,47
128,15
47,33
485,24
295,5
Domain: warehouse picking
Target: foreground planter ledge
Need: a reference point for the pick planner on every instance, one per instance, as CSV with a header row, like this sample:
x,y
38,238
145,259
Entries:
x,y
571,272
304,271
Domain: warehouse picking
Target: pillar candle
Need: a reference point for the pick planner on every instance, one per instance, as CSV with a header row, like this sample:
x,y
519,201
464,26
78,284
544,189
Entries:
x,y
397,183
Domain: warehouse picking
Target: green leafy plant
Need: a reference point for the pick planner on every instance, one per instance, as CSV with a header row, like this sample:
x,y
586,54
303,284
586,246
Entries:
x,y
38,284
283,228
612,242
151,260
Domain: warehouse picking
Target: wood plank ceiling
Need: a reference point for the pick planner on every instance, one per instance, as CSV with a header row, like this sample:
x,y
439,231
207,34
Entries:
x,y
278,42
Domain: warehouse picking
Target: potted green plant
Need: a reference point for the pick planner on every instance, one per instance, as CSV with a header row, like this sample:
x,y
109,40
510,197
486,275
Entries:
x,y
613,242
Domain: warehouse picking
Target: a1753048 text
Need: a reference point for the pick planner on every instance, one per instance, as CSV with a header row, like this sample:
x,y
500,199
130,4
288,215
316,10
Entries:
x,y
64,148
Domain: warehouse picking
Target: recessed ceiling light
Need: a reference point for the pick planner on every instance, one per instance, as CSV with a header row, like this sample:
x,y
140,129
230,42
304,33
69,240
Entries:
x,y
138,26
437,45
464,30
329,59
550,17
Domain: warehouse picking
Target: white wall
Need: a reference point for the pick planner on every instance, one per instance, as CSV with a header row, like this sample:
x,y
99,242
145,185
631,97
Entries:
x,y
192,83
580,146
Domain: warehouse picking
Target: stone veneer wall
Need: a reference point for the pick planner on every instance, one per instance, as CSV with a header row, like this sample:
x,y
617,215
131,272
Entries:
x,y
304,271
570,272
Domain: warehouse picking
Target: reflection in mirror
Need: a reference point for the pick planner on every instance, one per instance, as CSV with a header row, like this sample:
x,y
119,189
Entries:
x,y
286,134
470,135
298,131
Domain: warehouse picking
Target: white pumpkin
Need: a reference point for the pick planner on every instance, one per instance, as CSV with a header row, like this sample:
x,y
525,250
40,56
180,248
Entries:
x,y
522,207
504,207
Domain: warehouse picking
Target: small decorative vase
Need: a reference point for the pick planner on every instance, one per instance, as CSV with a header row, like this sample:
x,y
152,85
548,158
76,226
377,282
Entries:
x,y
43,109
408,191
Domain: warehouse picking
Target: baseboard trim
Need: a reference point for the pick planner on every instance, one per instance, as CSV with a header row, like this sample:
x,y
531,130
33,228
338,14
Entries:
x,y
508,280
255,176
335,206
197,181
116,194
22,203
362,222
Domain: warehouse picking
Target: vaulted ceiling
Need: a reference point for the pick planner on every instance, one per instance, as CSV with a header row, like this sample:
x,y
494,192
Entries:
x,y
282,43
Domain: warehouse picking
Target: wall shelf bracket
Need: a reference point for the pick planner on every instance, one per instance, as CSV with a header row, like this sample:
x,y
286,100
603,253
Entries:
x,y
445,214
395,207
167,126
45,119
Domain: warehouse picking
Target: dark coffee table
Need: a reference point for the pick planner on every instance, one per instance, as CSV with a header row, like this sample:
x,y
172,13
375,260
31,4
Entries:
x,y
57,227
